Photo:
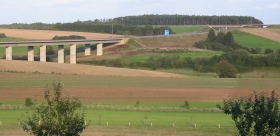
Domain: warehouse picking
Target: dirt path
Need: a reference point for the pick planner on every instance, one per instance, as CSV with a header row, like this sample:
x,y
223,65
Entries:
x,y
53,67
47,35
272,34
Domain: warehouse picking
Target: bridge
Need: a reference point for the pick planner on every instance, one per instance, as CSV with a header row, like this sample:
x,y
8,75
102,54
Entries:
x,y
243,25
60,44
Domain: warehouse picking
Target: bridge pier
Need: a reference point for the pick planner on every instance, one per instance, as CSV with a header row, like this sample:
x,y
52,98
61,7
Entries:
x,y
87,49
60,56
99,49
43,51
9,53
30,53
73,54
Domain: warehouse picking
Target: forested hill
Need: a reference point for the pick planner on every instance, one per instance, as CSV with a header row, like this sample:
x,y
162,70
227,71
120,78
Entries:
x,y
185,20
138,25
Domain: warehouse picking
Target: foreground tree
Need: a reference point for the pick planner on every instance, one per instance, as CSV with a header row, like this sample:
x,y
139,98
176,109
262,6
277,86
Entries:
x,y
258,112
56,116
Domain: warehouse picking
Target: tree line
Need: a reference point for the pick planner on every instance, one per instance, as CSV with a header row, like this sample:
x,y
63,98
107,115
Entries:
x,y
185,20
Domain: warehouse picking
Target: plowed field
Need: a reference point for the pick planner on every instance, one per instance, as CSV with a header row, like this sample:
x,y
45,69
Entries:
x,y
48,35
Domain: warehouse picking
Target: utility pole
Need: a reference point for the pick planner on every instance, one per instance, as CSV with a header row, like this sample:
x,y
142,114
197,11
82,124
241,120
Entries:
x,y
112,28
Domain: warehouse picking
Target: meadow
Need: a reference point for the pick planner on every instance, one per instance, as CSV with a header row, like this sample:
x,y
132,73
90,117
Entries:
x,y
254,41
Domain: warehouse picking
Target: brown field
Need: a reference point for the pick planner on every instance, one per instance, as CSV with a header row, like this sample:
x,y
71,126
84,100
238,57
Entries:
x,y
71,69
134,94
48,35
272,34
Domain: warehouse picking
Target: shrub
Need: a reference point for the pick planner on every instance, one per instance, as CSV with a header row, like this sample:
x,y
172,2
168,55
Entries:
x,y
68,37
2,35
28,102
268,51
225,70
186,105
56,116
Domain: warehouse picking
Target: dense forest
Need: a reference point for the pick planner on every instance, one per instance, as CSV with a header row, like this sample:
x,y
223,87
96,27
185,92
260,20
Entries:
x,y
143,25
185,20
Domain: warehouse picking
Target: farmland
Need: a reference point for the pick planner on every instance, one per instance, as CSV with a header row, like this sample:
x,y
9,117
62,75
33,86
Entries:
x,y
111,94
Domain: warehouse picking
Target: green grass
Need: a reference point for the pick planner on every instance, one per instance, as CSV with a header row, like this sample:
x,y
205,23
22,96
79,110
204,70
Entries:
x,y
120,117
28,80
253,41
186,29
197,105
193,55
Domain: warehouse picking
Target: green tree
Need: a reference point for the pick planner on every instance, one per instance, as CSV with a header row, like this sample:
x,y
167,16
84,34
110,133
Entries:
x,y
229,39
211,35
258,112
221,38
56,116
224,69
28,102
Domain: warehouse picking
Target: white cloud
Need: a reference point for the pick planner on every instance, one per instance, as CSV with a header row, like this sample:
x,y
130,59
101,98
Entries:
x,y
258,8
273,6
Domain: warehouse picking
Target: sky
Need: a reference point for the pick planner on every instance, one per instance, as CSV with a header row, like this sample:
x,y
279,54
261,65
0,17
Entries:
x,y
64,11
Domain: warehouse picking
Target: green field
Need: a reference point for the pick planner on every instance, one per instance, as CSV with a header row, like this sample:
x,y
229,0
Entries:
x,y
187,29
253,41
122,118
18,80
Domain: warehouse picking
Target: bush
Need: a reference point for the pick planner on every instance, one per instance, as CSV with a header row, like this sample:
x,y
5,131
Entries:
x,y
225,70
28,102
56,116
186,105
268,51
2,35
68,37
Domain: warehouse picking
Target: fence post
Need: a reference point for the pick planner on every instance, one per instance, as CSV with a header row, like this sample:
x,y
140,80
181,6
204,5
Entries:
x,y
151,124
219,126
195,125
173,125
0,122
39,122
128,123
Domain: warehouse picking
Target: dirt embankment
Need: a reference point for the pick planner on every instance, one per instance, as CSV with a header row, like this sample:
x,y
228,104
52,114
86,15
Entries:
x,y
272,34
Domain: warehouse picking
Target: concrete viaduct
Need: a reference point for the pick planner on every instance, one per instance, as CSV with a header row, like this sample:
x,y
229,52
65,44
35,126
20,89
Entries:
x,y
60,44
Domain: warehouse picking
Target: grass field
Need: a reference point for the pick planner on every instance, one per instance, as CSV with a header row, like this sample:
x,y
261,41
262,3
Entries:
x,y
18,80
186,29
253,41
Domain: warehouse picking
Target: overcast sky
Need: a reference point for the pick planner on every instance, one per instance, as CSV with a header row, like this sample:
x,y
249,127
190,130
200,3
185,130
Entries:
x,y
53,11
